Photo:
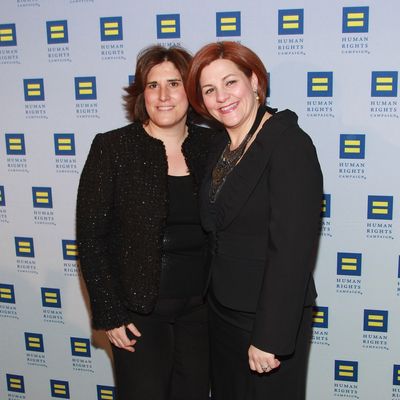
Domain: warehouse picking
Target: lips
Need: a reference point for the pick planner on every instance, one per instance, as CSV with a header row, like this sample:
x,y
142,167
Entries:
x,y
229,108
165,108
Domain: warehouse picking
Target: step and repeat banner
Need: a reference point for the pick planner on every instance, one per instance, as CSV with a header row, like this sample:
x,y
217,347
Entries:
x,y
63,67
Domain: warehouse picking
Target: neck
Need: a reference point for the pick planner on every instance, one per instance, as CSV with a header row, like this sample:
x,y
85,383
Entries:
x,y
171,135
238,133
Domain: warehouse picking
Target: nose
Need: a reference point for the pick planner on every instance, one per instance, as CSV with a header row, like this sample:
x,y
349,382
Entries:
x,y
221,95
164,92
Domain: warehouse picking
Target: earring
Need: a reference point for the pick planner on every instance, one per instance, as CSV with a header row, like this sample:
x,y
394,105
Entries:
x,y
256,95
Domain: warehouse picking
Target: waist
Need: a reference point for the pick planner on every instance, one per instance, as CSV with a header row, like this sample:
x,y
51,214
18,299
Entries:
x,y
253,247
183,240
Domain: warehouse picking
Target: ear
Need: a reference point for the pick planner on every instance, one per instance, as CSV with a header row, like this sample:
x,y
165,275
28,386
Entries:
x,y
254,81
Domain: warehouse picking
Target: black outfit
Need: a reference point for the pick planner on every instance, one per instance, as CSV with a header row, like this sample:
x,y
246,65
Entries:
x,y
142,253
264,224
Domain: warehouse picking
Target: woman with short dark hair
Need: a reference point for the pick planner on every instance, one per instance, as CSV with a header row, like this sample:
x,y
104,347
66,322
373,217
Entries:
x,y
141,245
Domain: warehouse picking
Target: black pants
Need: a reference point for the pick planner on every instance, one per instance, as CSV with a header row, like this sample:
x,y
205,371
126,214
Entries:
x,y
231,376
171,358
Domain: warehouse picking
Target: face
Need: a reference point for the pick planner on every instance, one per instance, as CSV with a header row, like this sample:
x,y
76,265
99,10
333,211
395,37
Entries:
x,y
164,96
228,94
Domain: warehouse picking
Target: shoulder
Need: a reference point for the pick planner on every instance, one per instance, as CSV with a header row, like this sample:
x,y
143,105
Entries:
x,y
120,134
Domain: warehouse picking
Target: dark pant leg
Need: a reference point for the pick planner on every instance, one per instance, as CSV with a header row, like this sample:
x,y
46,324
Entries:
x,y
190,377
146,373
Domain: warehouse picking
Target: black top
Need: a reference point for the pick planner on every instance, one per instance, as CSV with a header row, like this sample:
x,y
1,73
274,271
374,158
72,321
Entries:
x,y
182,265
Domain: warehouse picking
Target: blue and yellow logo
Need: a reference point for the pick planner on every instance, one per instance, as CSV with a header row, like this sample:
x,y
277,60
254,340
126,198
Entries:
x,y
349,264
111,28
69,249
34,89
375,320
228,23
131,79
396,374
42,197
59,389
15,144
7,294
64,144
352,146
168,26
80,347
8,35
105,392
57,32
24,247
291,22
2,197
320,317
34,342
320,84
355,19
384,83
51,297
380,207
15,383
346,371
326,206
85,88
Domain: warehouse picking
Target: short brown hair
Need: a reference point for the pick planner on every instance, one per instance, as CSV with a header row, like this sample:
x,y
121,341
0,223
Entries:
x,y
148,58
244,58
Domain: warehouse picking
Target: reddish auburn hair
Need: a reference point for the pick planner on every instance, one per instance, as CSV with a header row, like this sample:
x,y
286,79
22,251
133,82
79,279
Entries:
x,y
244,58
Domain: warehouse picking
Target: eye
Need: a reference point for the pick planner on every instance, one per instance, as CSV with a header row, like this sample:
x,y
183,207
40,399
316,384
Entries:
x,y
231,82
174,84
152,85
208,91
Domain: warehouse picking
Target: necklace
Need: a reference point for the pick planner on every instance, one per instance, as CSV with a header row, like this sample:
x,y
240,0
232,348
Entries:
x,y
229,158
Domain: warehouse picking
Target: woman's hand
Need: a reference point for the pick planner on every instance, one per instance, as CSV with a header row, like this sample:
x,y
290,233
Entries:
x,y
119,338
262,361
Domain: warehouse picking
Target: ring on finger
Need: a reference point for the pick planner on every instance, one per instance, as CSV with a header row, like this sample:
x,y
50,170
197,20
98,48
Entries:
x,y
265,367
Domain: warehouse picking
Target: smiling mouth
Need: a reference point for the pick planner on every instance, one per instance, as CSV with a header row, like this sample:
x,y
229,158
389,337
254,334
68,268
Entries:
x,y
165,108
229,108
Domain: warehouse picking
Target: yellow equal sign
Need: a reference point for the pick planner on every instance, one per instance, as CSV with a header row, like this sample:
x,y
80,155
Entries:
x,y
106,394
291,22
319,84
318,317
380,207
42,197
346,370
384,83
64,144
71,249
375,320
5,293
33,89
323,207
168,26
111,28
59,389
15,143
80,347
6,35
228,24
57,32
349,264
24,247
355,19
51,297
352,146
85,87
15,383
34,342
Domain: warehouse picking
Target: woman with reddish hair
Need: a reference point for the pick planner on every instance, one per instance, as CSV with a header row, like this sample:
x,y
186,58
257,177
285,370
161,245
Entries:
x,y
260,201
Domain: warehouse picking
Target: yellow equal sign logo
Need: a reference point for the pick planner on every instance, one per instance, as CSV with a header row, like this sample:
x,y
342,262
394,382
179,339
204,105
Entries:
x,y
111,28
24,247
42,197
64,144
352,146
349,264
355,19
80,347
346,370
7,293
375,320
34,342
384,83
8,35
380,207
228,23
106,394
320,84
57,32
15,383
85,88
168,26
33,89
70,249
291,21
15,143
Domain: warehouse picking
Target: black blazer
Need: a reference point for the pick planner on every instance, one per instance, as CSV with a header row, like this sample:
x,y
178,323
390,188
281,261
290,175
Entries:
x,y
121,212
265,225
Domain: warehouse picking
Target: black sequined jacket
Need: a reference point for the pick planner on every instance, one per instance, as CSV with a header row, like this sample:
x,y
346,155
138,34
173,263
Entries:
x,y
121,212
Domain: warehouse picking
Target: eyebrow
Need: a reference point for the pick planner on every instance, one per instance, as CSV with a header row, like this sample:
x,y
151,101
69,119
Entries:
x,y
168,80
224,78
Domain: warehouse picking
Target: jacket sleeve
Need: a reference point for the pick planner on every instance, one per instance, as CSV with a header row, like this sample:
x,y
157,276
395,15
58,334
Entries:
x,y
93,225
295,185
